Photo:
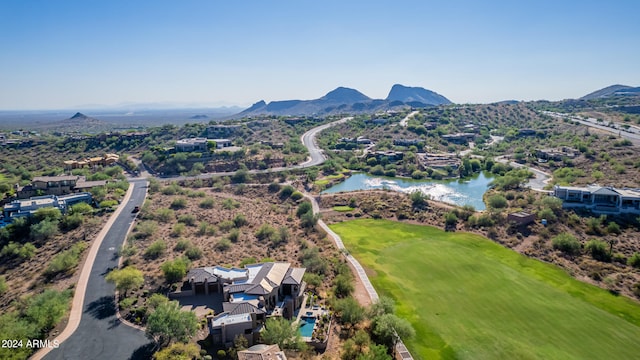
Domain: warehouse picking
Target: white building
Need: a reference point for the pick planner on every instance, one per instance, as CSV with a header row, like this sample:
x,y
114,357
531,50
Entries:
x,y
599,198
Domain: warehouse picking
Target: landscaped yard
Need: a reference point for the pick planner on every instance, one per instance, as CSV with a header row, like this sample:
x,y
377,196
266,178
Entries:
x,y
469,298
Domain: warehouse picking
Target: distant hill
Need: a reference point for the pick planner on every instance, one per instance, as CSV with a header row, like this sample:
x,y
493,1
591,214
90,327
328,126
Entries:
x,y
346,100
408,94
612,91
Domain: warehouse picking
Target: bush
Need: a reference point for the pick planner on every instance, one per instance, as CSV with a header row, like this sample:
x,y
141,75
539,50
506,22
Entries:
x,y
450,219
44,230
187,219
177,230
274,187
598,250
634,260
66,260
229,204
47,309
3,285
165,215
155,250
613,228
234,235
286,191
179,203
240,220
207,203
193,253
547,214
145,229
13,249
265,231
304,208
344,286
226,225
223,245
498,201
297,195
182,245
566,243
175,270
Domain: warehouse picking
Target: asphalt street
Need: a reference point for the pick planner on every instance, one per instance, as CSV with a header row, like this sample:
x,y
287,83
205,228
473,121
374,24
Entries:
x,y
100,334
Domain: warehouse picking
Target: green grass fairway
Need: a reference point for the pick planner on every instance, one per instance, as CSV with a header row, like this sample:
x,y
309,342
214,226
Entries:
x,y
469,298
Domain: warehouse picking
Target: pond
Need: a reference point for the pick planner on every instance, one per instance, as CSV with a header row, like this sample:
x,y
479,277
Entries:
x,y
460,192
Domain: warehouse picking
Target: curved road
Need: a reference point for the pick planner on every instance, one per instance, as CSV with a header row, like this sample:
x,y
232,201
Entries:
x,y
316,156
100,335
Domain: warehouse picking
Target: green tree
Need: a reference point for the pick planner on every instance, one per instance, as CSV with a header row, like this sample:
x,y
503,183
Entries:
x,y
47,213
418,199
47,309
44,229
385,327
497,201
156,249
304,208
175,270
634,260
350,311
278,330
126,279
167,323
343,285
384,305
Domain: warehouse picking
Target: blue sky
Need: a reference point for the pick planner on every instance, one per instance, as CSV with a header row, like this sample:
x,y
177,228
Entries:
x,y
65,54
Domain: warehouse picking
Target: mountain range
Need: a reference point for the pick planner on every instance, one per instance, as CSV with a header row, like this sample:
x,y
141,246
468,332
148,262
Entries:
x,y
346,100
612,90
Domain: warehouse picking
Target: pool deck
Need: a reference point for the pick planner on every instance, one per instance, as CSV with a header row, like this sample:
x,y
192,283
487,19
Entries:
x,y
314,311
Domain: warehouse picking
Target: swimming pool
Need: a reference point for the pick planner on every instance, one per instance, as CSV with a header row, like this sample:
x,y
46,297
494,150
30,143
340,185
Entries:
x,y
306,326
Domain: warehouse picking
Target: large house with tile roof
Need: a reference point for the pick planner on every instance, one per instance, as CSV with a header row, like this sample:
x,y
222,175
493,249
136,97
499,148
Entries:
x,y
250,295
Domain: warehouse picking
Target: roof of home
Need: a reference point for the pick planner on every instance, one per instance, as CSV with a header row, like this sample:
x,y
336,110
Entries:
x,y
294,276
200,275
241,308
55,178
227,319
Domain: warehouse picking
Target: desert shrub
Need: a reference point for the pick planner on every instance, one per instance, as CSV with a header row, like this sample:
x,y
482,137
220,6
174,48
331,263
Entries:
x,y
145,229
313,262
3,285
566,243
223,245
72,221
81,208
47,213
164,215
613,228
634,260
182,245
108,203
171,189
179,203
598,250
265,231
286,191
240,220
187,219
450,219
43,230
303,208
65,260
205,229
234,235
247,261
14,249
281,237
207,203
274,187
309,220
226,225
178,229
229,204
297,195
547,214
343,286
193,253
497,201
156,249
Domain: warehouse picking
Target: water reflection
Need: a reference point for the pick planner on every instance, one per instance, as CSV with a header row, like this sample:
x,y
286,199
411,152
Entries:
x,y
458,192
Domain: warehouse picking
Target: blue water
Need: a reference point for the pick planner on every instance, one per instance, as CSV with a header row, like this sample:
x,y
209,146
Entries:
x,y
306,326
458,192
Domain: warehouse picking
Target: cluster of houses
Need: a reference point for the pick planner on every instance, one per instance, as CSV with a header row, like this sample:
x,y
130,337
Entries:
x,y
249,296
56,185
26,207
105,160
439,161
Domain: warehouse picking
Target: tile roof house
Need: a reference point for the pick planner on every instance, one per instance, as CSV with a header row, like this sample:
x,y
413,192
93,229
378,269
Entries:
x,y
262,352
250,295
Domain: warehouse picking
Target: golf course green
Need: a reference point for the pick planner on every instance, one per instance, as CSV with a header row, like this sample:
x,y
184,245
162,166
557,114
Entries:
x,y
470,298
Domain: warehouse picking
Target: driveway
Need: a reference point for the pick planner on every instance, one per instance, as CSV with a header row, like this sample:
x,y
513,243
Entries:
x,y
100,335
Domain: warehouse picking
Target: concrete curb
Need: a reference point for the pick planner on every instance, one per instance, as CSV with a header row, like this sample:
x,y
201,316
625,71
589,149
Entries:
x,y
77,304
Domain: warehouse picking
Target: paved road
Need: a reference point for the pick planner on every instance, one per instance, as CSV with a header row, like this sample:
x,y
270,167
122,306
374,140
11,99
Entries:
x,y
100,334
538,182
632,134
316,156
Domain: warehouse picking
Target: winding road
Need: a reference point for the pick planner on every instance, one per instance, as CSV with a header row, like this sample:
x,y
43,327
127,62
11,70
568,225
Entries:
x,y
94,330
